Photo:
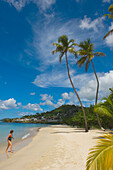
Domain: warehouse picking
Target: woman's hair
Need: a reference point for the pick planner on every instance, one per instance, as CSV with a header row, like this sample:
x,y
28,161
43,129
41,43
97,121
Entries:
x,y
11,131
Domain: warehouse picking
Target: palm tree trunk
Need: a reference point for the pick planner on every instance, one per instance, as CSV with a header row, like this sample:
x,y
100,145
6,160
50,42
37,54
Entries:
x,y
97,95
86,126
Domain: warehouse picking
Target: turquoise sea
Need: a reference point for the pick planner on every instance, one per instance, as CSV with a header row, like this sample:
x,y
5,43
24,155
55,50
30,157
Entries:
x,y
21,130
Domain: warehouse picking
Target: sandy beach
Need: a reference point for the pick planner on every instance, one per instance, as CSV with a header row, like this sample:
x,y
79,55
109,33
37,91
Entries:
x,y
56,147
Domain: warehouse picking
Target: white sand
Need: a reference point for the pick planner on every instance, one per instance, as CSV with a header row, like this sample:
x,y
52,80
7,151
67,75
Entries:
x,y
54,148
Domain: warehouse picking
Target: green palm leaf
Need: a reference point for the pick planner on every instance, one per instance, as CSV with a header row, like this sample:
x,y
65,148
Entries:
x,y
110,16
63,40
101,156
111,9
98,54
87,65
60,56
109,33
103,110
81,61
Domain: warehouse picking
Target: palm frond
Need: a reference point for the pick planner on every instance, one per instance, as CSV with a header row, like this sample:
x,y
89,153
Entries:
x,y
60,56
63,40
81,61
87,65
101,156
72,50
71,41
109,33
73,44
98,54
82,52
110,9
103,110
110,16
54,52
56,44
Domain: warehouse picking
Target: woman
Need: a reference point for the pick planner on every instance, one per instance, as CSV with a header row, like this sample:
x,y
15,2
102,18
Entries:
x,y
9,138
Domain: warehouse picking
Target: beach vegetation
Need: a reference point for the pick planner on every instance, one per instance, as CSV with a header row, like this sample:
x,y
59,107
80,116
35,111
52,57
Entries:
x,y
101,156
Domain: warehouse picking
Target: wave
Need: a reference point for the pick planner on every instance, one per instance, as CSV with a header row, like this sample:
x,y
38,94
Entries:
x,y
25,136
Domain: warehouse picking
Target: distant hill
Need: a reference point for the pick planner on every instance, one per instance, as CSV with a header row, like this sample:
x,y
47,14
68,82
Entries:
x,y
66,114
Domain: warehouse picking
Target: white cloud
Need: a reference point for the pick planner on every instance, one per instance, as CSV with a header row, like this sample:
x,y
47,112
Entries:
x,y
88,91
46,97
60,103
67,96
8,104
32,94
45,4
108,1
42,4
84,83
25,113
52,79
109,39
33,107
87,23
19,104
17,4
60,79
47,31
50,103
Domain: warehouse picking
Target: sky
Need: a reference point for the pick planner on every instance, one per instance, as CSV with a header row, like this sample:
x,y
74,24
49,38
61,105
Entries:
x,y
32,79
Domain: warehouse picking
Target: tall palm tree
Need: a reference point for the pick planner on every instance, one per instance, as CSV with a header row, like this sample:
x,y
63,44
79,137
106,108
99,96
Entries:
x,y
110,16
62,47
86,52
101,156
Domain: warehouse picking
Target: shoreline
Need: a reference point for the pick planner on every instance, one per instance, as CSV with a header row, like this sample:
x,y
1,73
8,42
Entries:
x,y
54,147
19,143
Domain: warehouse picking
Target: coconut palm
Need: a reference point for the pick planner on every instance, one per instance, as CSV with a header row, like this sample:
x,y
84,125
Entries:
x,y
62,47
101,156
110,16
86,52
106,107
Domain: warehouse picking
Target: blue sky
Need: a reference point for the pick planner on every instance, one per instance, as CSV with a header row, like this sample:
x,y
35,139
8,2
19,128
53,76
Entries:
x,y
31,79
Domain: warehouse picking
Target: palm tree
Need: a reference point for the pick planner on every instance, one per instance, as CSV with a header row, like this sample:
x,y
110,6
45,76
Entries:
x,y
110,16
101,156
86,52
106,108
63,46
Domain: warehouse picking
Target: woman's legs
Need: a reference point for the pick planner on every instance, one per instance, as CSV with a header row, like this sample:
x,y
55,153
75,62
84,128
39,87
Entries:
x,y
9,144
7,147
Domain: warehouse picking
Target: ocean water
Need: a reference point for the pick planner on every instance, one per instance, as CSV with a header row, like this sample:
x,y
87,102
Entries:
x,y
21,130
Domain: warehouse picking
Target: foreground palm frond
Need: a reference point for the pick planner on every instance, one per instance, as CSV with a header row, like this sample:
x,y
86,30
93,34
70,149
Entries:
x,y
101,156
110,16
109,33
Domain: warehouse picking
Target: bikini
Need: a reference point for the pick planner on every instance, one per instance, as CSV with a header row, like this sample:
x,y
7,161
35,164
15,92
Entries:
x,y
9,138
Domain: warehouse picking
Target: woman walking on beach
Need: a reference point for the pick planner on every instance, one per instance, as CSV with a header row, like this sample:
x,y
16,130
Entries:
x,y
9,138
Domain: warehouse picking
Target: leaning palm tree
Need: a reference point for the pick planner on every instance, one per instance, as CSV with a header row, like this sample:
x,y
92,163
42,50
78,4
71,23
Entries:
x,y
110,16
62,47
101,156
86,52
